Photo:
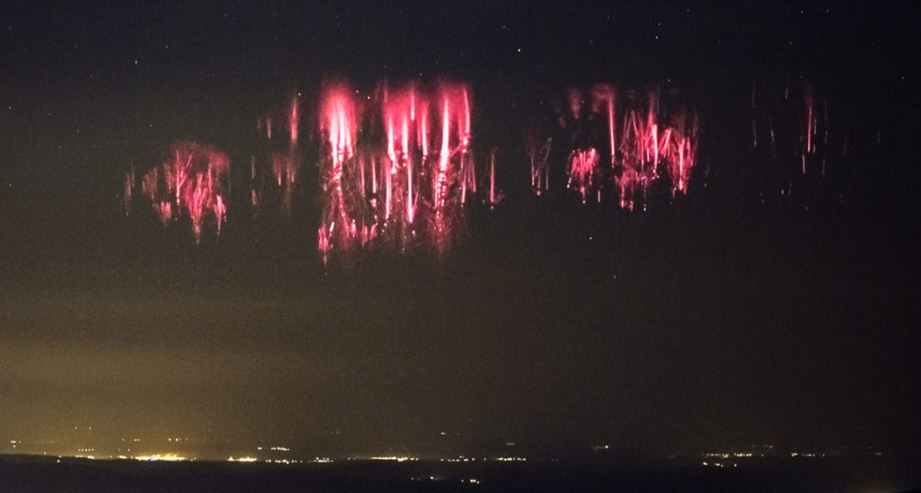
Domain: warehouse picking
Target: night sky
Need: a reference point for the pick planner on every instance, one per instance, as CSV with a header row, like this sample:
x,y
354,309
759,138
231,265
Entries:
x,y
713,321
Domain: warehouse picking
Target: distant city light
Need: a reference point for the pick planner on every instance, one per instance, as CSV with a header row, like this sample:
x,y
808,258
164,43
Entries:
x,y
242,459
170,457
393,458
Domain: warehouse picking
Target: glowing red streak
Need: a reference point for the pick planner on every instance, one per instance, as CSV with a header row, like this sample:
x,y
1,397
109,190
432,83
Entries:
x,y
374,176
611,127
293,120
128,189
409,170
444,154
391,151
445,135
492,178
681,152
466,136
538,154
810,125
410,206
389,200
423,132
